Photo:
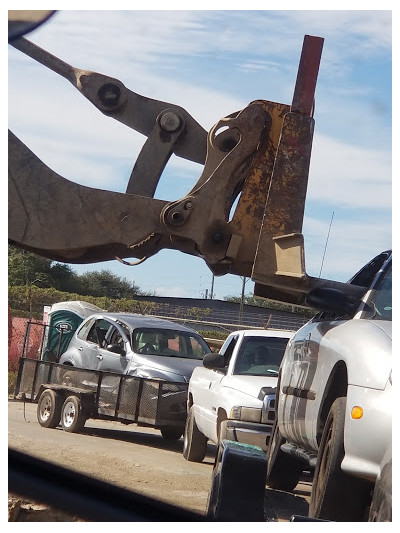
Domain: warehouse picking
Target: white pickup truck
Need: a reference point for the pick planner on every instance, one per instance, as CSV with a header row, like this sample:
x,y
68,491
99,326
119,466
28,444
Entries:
x,y
232,396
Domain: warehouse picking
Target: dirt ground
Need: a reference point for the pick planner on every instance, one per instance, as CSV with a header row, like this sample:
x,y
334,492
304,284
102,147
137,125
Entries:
x,y
137,459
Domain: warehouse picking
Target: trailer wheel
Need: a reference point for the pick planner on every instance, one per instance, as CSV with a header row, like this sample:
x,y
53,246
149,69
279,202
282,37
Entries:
x,y
194,442
171,433
336,495
73,417
283,471
237,484
49,409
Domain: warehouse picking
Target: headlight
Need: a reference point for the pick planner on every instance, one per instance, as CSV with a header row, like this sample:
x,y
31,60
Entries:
x,y
245,414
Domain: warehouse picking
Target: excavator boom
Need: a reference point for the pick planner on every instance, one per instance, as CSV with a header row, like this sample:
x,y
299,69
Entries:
x,y
244,215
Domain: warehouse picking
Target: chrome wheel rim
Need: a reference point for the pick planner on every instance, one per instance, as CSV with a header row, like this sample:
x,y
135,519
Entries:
x,y
45,409
69,414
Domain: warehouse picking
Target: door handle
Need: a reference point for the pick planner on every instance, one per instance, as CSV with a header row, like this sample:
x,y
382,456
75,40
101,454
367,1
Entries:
x,y
99,357
80,348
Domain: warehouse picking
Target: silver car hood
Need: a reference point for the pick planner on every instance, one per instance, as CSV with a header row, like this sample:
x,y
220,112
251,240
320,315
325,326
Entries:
x,y
174,365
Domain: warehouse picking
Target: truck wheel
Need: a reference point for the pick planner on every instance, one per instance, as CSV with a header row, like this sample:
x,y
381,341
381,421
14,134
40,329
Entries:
x,y
49,409
335,495
73,417
283,471
237,484
171,433
194,442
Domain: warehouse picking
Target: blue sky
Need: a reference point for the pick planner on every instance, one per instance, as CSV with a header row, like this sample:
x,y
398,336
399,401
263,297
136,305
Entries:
x,y
212,63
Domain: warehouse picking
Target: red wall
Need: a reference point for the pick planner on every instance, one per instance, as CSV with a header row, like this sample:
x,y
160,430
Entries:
x,y
16,335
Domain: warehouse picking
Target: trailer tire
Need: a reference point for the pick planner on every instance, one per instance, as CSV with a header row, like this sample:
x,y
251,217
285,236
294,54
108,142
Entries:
x,y
194,442
49,409
283,471
171,432
73,416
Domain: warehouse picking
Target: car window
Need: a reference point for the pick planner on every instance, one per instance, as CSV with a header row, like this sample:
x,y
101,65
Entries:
x,y
86,326
382,297
260,356
98,331
366,275
114,336
167,342
363,278
228,347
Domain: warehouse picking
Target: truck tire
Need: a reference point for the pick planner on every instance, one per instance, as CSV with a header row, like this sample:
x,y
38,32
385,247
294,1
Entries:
x,y
73,417
237,484
335,495
171,432
49,409
283,471
194,442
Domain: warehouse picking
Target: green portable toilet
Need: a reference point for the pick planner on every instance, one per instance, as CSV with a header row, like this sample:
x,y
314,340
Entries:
x,y
64,320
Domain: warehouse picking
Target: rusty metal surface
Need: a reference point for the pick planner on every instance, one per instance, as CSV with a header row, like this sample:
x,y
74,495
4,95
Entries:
x,y
286,199
246,222
258,157
303,97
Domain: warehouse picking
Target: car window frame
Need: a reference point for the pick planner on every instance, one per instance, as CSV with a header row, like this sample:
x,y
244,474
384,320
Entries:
x,y
369,304
84,329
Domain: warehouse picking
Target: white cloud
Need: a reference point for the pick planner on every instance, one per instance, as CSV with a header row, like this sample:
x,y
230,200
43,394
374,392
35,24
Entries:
x,y
351,244
351,176
176,291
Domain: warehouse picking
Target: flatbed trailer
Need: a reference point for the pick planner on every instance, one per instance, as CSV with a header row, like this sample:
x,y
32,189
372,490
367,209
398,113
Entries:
x,y
69,396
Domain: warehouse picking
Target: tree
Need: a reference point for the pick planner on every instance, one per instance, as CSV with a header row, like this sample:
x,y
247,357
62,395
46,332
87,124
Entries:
x,y
27,268
105,283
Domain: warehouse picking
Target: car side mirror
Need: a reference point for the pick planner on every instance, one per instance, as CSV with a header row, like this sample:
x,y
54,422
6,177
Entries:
x,y
332,300
116,348
214,361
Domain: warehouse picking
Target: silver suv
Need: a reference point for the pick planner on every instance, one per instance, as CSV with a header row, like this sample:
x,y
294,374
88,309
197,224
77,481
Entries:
x,y
136,345
334,407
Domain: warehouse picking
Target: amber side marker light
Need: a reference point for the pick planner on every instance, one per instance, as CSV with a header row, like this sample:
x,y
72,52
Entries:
x,y
357,412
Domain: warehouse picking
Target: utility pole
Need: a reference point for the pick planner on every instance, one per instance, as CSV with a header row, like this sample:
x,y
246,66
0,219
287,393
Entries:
x,y
242,301
212,288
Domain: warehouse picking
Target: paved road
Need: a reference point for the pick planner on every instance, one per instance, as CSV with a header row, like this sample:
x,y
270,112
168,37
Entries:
x,y
138,459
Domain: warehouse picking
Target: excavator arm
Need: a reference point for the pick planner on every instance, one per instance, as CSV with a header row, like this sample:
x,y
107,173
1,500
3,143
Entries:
x,y
244,215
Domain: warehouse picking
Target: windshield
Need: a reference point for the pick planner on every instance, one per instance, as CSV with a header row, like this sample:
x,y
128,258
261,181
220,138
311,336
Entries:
x,y
382,297
171,343
260,356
